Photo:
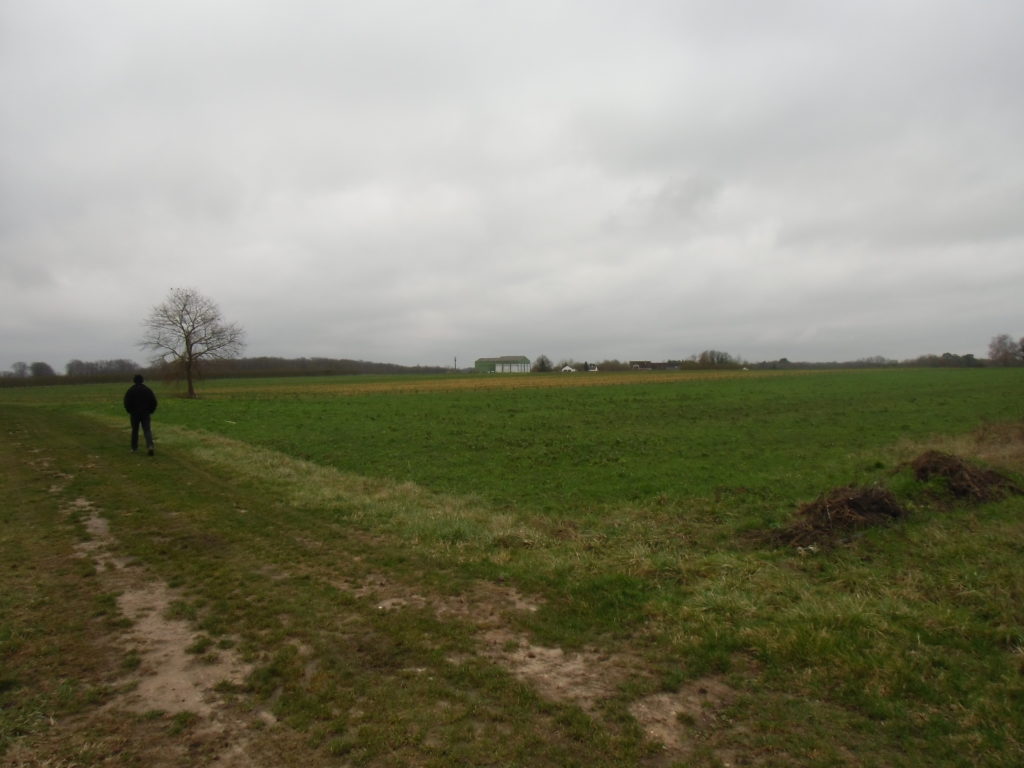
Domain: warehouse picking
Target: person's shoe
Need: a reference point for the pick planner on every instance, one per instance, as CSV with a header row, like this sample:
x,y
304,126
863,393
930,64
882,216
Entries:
x,y
150,451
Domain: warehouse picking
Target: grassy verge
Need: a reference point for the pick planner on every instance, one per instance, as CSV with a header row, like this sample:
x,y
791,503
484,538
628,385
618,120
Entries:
x,y
389,624
55,659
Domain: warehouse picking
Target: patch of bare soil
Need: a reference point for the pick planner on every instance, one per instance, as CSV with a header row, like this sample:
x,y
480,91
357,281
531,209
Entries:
x,y
964,480
586,678
840,513
682,720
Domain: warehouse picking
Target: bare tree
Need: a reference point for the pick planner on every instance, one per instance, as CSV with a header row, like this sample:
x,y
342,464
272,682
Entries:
x,y
1003,350
188,329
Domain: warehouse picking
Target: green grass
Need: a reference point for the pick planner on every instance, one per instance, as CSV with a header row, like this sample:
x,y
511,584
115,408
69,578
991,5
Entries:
x,y
627,510
554,448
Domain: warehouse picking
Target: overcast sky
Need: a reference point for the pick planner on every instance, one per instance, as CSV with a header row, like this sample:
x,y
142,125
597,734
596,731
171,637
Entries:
x,y
411,182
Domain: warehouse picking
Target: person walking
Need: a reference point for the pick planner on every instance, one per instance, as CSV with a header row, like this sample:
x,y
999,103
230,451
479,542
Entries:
x,y
140,402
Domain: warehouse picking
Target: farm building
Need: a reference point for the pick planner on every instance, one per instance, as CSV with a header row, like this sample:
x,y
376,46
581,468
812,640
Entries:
x,y
509,364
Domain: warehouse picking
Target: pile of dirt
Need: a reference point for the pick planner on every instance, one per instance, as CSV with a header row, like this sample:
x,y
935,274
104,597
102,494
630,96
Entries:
x,y
965,481
843,511
839,513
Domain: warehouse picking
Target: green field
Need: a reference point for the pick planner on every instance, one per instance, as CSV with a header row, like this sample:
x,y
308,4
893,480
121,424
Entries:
x,y
534,570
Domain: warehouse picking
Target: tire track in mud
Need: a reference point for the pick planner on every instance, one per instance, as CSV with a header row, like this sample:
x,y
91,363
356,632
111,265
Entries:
x,y
170,678
166,679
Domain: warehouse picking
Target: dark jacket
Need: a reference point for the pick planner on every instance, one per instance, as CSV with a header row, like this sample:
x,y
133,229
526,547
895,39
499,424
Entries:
x,y
139,399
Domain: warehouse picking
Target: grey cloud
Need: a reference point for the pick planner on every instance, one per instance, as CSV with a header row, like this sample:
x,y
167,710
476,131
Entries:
x,y
597,179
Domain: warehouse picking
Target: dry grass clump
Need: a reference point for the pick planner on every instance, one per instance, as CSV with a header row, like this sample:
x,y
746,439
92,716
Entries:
x,y
839,513
964,480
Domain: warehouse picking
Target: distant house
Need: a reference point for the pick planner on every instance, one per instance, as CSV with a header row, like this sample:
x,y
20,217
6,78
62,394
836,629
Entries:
x,y
508,364
568,369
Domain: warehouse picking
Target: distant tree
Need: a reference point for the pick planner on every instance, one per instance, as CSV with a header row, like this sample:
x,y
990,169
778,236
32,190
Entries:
x,y
874,361
1003,350
542,364
951,360
711,358
186,330
79,368
41,370
20,370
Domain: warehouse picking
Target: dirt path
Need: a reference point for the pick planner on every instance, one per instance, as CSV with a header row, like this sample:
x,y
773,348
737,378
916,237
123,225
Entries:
x,y
173,703
169,677
167,709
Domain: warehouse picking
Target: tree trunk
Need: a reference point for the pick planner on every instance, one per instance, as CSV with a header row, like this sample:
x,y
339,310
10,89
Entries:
x,y
188,378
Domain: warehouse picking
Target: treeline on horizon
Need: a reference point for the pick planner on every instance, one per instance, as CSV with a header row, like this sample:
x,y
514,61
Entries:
x,y
100,371
714,359
1003,350
80,372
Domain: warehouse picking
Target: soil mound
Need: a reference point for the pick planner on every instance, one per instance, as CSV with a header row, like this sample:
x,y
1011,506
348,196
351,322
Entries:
x,y
964,480
841,512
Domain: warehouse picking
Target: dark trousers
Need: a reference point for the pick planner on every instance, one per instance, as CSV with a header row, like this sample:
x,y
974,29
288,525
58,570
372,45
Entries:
x,y
141,419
